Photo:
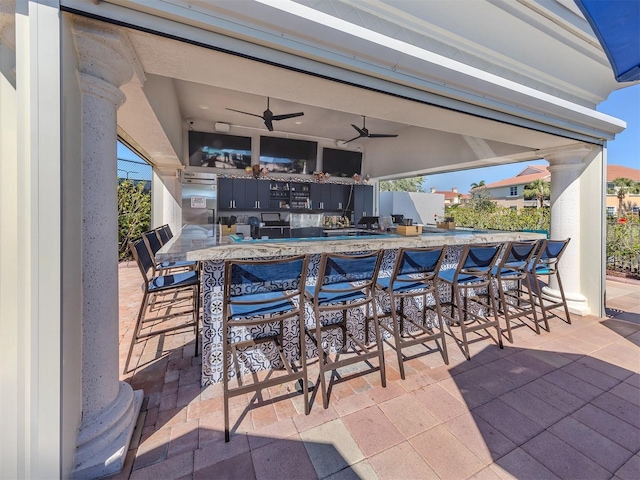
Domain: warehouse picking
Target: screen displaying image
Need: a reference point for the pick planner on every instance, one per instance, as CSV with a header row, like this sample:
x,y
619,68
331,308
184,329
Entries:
x,y
341,163
285,155
218,150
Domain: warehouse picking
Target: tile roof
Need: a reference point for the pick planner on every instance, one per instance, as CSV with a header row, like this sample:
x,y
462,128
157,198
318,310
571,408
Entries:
x,y
618,171
522,178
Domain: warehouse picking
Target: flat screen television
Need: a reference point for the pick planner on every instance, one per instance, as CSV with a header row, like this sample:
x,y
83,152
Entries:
x,y
341,163
286,155
217,150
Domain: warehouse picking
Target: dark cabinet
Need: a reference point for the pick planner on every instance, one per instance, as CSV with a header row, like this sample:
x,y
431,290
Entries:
x,y
242,194
256,195
330,197
362,202
339,196
300,196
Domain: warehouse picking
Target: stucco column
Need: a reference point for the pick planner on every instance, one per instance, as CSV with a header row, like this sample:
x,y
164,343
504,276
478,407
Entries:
x,y
109,407
566,166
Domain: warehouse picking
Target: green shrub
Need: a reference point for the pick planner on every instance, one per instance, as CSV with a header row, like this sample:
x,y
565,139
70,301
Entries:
x,y
134,214
501,218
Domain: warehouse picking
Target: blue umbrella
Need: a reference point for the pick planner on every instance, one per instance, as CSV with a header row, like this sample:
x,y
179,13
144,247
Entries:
x,y
616,23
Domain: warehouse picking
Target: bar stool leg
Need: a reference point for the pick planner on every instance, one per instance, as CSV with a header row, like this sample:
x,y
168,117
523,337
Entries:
x,y
396,335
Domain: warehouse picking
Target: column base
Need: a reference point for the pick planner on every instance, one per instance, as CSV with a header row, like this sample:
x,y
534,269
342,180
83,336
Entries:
x,y
103,440
576,303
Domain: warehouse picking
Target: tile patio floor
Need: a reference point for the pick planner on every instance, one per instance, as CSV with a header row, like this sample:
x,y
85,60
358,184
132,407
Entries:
x,y
564,404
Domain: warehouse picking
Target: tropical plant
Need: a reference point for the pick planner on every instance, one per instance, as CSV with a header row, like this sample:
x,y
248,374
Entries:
x,y
539,189
134,214
624,186
413,184
481,200
477,185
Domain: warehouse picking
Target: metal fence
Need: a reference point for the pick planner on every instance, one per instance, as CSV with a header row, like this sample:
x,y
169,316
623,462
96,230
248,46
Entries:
x,y
623,246
135,170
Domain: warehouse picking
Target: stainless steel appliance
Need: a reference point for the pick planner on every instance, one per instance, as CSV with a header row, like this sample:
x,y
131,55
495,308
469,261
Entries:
x,y
199,199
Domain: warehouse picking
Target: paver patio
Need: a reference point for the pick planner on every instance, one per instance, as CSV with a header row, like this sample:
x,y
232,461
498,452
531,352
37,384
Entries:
x,y
563,404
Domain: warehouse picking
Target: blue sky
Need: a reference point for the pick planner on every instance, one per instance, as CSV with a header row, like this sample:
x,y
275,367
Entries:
x,y
623,150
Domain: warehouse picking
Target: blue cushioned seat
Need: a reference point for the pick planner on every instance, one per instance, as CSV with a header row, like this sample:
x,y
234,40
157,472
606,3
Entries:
x,y
545,263
415,279
514,285
169,291
345,283
473,300
261,304
264,294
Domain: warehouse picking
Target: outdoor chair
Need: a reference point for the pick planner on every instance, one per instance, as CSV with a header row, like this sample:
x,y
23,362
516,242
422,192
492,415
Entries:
x,y
175,295
152,241
514,284
259,295
162,234
345,282
545,263
167,230
473,301
415,276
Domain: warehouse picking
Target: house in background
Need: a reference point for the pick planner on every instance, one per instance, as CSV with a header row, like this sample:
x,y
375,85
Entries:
x,y
452,197
510,191
618,171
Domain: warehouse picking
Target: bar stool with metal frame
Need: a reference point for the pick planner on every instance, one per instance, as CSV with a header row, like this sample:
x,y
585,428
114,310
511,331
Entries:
x,y
468,280
545,263
415,274
345,282
163,234
156,287
259,295
512,271
152,241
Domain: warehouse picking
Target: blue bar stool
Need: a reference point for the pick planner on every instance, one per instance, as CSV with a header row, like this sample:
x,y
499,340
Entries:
x,y
514,284
415,274
259,295
473,300
153,243
345,282
545,263
169,292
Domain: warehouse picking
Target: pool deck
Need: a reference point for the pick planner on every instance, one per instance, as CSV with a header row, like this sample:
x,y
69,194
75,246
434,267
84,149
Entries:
x,y
563,404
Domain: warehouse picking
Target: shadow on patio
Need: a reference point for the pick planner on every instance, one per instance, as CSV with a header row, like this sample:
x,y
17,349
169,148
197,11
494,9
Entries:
x,y
560,404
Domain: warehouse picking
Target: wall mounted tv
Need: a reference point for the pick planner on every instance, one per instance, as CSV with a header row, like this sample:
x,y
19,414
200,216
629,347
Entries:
x,y
341,163
285,155
217,150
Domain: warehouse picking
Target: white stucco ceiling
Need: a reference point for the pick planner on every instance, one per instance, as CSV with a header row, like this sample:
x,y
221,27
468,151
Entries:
x,y
484,49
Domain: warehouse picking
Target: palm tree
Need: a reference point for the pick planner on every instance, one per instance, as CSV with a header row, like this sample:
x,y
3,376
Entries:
x,y
623,187
477,185
538,189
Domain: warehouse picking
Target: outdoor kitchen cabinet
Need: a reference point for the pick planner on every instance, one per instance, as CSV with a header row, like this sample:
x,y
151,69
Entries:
x,y
362,202
243,194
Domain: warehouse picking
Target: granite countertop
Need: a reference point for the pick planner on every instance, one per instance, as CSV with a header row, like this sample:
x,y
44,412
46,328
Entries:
x,y
198,243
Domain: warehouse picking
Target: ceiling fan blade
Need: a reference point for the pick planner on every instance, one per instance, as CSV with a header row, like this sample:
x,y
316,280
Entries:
x,y
381,135
287,115
354,138
359,130
269,125
246,113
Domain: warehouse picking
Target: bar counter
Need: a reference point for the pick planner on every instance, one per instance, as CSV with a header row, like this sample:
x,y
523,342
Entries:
x,y
198,243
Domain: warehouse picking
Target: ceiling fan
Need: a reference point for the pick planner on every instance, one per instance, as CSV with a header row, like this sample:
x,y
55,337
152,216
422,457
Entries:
x,y
364,132
268,117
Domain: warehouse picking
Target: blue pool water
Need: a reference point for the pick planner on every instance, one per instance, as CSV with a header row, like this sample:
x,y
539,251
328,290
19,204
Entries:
x,y
429,231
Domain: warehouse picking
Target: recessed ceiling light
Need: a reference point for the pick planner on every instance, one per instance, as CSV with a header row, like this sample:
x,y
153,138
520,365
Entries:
x,y
298,122
204,107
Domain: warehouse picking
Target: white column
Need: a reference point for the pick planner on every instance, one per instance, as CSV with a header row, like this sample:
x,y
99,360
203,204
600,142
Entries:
x,y
566,166
109,407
